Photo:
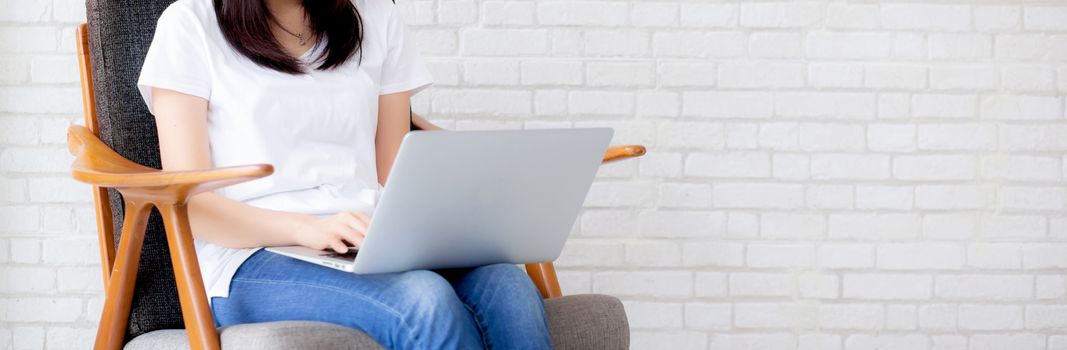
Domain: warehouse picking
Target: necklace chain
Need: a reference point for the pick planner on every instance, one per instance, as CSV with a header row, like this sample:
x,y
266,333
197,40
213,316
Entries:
x,y
301,37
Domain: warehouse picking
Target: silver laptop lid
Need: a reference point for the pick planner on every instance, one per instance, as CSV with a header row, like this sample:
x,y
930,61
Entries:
x,y
468,198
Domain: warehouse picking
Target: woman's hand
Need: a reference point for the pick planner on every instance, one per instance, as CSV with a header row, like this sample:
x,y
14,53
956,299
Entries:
x,y
336,232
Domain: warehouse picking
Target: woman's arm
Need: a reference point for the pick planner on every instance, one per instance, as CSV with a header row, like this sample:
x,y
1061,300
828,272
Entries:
x,y
183,145
393,124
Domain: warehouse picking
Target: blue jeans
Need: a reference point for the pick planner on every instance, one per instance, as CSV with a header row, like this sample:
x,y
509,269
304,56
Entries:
x,y
493,306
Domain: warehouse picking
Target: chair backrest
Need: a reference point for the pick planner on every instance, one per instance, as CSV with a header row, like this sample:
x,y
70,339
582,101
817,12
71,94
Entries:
x,y
119,33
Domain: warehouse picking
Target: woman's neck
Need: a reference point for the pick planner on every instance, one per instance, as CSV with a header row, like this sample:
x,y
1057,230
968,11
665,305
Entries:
x,y
281,4
282,9
290,26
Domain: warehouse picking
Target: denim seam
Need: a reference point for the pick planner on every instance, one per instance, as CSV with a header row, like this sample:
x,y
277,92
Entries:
x,y
254,266
482,330
493,280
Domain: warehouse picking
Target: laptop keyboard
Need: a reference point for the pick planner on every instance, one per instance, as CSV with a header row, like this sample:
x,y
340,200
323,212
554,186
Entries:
x,y
351,255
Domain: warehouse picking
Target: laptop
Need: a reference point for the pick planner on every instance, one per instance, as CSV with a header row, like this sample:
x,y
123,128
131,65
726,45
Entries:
x,y
470,198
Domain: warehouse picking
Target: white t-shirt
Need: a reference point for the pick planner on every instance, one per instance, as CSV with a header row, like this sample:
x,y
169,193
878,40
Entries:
x,y
317,129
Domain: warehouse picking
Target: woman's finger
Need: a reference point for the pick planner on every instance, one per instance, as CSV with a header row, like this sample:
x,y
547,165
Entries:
x,y
353,233
338,245
363,217
356,224
356,240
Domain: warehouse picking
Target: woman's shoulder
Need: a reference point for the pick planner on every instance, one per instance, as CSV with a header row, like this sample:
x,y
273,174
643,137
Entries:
x,y
189,12
373,5
376,9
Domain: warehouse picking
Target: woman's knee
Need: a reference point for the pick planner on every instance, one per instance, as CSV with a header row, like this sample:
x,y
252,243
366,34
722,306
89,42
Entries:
x,y
504,274
503,269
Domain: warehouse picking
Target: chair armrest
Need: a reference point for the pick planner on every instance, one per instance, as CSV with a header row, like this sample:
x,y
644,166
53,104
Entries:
x,y
97,164
616,153
168,191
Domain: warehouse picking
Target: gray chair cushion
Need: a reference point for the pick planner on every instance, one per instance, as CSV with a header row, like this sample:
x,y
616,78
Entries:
x,y
587,321
281,335
576,322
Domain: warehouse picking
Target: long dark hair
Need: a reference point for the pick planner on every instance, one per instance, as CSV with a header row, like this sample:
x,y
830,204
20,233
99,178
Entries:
x,y
246,26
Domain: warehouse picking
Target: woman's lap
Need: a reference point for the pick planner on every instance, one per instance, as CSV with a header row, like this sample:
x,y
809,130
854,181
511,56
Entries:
x,y
494,304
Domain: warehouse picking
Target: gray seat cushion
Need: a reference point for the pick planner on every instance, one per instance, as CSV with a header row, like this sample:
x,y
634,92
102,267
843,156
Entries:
x,y
266,336
576,322
587,321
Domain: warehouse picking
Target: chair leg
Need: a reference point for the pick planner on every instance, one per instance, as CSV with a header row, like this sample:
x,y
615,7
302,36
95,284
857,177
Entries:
x,y
111,331
199,322
544,277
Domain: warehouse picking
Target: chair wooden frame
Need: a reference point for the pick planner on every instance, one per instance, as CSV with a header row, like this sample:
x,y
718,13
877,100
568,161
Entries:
x,y
143,188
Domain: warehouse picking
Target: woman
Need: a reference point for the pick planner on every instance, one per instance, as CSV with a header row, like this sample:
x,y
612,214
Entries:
x,y
320,89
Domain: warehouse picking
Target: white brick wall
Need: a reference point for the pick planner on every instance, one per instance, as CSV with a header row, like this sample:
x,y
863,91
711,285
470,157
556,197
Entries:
x,y
821,174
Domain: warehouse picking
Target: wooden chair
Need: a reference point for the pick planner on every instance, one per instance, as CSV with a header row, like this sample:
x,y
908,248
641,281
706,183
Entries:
x,y
152,262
